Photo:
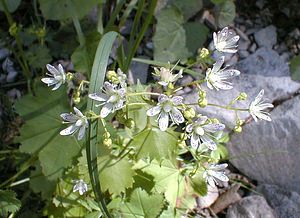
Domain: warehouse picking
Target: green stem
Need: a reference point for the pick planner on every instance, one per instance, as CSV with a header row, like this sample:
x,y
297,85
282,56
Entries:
x,y
100,18
79,32
114,15
143,93
141,34
225,107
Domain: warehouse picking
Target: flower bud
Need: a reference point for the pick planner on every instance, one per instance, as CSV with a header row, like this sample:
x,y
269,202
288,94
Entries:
x,y
40,33
70,76
107,142
183,136
202,94
239,122
204,53
189,113
111,75
106,135
237,129
242,96
202,102
13,29
214,120
170,86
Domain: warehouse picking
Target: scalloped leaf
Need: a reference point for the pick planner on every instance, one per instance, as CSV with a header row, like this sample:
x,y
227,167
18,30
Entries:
x,y
142,205
40,133
155,144
64,9
169,39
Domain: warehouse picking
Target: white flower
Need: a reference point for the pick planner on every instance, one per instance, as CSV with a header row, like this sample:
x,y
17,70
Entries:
x,y
80,186
167,107
122,78
57,76
112,99
226,41
258,106
215,173
78,121
216,77
166,75
201,133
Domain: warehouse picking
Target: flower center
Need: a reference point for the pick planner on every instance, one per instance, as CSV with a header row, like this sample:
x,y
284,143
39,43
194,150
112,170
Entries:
x,y
199,130
167,106
221,45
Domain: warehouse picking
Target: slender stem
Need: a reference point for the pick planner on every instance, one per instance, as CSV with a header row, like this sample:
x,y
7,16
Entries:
x,y
100,18
19,182
143,93
225,107
141,34
79,32
136,104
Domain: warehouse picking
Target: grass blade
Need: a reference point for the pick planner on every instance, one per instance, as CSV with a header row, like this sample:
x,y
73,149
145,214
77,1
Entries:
x,y
96,83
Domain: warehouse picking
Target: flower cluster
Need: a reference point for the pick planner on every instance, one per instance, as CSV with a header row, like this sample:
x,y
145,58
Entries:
x,y
169,108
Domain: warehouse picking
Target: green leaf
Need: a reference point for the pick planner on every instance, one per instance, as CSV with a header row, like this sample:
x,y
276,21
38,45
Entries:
x,y
169,39
83,56
95,214
217,2
199,184
142,205
167,177
8,202
40,133
38,56
40,184
155,144
188,7
64,9
196,35
295,68
12,5
115,174
226,13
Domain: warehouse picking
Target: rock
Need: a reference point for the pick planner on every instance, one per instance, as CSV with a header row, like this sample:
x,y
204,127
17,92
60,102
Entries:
x,y
244,44
4,53
264,61
253,48
2,78
251,207
266,37
14,94
139,71
285,56
11,76
275,88
244,54
285,203
269,151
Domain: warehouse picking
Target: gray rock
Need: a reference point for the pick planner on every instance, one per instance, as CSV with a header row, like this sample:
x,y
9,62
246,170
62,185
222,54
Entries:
x,y
4,53
244,44
251,207
285,203
139,71
2,78
253,48
244,54
275,88
266,37
264,61
269,151
11,76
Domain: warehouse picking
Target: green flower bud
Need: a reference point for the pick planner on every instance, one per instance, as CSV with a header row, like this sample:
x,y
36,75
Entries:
x,y
242,96
130,123
214,120
202,102
183,136
70,76
106,135
41,32
111,75
181,144
237,129
107,142
189,113
202,94
13,29
170,86
204,53
239,122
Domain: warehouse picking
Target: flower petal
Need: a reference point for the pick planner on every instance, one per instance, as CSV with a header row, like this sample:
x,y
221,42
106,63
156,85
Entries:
x,y
163,121
52,70
69,117
189,128
162,98
153,111
258,97
195,141
213,127
106,109
217,66
208,142
177,100
81,132
69,130
220,176
98,96
177,116
78,112
57,85
49,81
